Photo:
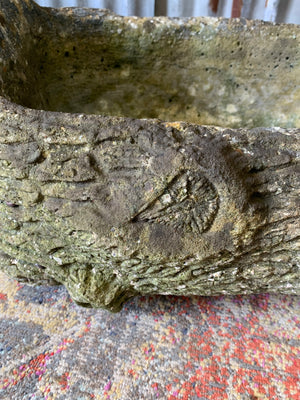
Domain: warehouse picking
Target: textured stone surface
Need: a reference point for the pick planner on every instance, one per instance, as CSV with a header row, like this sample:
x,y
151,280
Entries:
x,y
235,73
113,207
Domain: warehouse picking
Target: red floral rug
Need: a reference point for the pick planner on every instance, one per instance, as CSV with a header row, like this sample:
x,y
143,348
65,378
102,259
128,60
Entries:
x,y
169,348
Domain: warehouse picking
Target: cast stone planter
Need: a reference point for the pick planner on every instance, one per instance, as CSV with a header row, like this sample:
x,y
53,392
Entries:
x,y
104,191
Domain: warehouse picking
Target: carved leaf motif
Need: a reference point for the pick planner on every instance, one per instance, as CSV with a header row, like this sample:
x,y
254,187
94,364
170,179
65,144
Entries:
x,y
188,202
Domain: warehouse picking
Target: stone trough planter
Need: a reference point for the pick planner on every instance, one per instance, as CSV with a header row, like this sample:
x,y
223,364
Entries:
x,y
104,191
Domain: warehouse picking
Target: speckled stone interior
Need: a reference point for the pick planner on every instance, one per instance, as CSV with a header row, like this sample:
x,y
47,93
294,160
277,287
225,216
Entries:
x,y
233,73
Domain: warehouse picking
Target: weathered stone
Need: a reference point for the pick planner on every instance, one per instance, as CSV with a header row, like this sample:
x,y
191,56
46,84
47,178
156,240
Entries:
x,y
113,207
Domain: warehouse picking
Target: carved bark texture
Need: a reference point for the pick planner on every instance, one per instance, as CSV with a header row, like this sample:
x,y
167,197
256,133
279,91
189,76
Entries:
x,y
114,207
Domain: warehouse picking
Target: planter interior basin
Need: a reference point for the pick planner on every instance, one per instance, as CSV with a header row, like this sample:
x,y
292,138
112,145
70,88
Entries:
x,y
230,73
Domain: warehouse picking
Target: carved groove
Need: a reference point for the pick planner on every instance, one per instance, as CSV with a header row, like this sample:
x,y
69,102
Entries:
x,y
189,202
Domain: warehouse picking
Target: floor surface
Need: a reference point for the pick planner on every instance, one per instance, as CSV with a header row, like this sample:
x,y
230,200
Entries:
x,y
168,348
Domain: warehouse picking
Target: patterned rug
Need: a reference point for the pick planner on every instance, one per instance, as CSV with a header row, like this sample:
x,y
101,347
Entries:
x,y
169,348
